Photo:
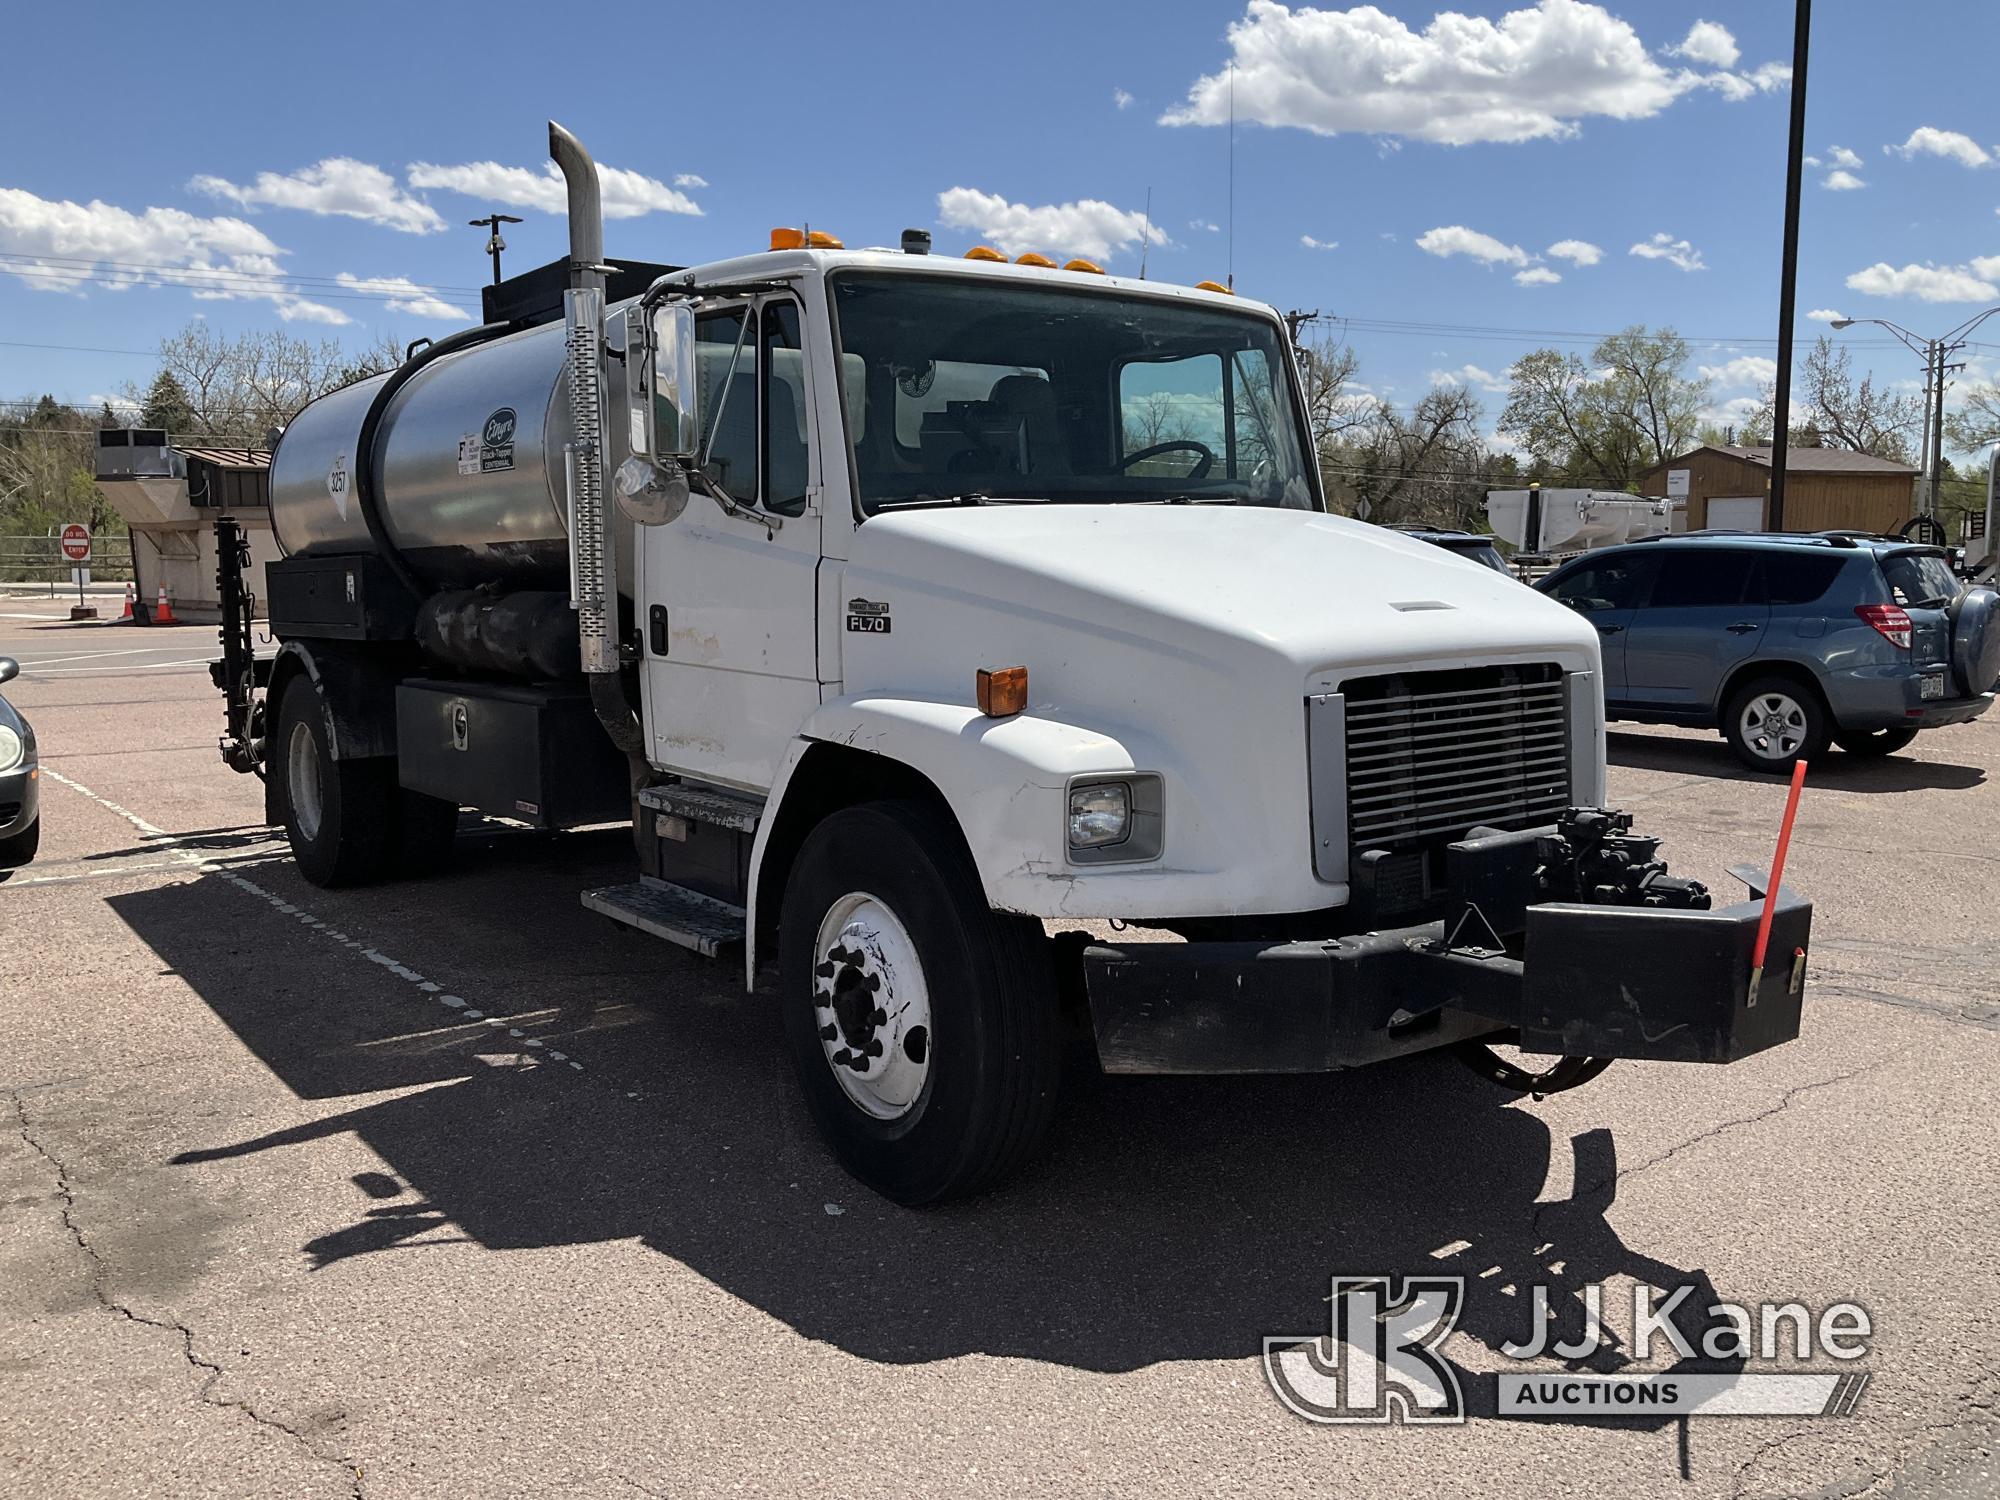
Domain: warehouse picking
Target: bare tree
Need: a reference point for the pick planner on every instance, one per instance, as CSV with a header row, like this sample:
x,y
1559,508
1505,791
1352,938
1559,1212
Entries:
x,y
238,389
1842,412
1429,465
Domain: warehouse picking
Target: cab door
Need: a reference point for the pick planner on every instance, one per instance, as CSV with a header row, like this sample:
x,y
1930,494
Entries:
x,y
728,600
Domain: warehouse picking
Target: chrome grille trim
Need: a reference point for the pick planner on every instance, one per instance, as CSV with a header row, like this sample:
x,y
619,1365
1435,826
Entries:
x,y
1430,754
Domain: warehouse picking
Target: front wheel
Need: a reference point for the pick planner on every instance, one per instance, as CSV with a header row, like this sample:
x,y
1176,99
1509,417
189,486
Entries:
x,y
921,1023
1873,741
1774,723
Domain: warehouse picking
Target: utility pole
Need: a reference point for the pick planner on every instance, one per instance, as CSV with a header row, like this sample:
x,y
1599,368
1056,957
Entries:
x,y
494,244
1295,320
1937,431
1789,276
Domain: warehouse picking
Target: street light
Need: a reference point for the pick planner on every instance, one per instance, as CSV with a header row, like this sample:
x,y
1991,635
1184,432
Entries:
x,y
1935,352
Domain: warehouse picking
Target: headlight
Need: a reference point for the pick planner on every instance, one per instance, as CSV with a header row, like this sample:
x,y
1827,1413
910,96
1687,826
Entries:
x,y
12,751
1116,819
1099,815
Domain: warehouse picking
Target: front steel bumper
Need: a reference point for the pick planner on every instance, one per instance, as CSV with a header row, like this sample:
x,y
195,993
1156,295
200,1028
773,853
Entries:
x,y
1582,980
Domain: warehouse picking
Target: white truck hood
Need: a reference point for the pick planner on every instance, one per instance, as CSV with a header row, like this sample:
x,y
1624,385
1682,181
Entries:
x,y
1215,584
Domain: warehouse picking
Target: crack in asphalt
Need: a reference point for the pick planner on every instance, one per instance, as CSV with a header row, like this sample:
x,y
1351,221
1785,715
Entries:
x,y
1579,1191
212,1372
1978,1410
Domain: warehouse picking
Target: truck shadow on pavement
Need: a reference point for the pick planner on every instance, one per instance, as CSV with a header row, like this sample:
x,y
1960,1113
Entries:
x,y
1171,1218
1698,754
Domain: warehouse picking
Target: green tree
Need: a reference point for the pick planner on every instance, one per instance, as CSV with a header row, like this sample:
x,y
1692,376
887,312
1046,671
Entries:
x,y
1631,408
166,405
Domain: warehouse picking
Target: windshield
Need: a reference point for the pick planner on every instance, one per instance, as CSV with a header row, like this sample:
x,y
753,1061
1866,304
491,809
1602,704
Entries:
x,y
977,391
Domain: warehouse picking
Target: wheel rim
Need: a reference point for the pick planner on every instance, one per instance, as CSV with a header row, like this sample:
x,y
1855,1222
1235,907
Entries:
x,y
302,780
1774,726
871,1006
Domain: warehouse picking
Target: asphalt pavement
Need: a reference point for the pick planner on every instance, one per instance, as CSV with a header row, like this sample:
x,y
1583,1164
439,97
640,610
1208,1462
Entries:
x,y
450,1187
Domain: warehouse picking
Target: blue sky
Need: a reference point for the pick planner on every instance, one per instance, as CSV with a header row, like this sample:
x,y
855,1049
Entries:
x,y
1485,174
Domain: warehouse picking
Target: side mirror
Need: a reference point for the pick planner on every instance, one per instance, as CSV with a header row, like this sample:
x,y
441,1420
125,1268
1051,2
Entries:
x,y
671,383
662,423
9,669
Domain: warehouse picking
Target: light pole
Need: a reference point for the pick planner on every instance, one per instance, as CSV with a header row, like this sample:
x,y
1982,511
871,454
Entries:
x,y
494,244
1935,352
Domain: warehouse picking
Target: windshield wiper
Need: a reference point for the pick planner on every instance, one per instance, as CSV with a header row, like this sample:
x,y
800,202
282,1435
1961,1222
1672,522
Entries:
x,y
965,497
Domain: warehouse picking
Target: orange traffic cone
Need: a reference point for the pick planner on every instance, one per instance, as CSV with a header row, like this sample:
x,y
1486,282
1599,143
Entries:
x,y
163,612
131,598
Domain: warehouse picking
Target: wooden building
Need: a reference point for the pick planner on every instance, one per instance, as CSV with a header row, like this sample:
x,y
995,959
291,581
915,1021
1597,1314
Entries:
x,y
1825,488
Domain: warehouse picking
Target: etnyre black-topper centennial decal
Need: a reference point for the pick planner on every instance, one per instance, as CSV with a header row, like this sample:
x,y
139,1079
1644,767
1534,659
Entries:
x,y
496,442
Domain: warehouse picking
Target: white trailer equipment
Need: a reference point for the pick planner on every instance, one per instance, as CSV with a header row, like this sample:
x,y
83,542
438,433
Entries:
x,y
1560,523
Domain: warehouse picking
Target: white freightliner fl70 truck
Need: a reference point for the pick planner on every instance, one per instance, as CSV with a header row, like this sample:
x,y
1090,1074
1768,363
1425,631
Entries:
x,y
916,609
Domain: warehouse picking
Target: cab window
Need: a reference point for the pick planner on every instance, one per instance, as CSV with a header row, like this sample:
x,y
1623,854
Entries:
x,y
726,384
784,370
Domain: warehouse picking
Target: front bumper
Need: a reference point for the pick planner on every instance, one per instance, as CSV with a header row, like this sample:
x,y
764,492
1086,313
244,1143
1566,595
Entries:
x,y
1582,980
20,799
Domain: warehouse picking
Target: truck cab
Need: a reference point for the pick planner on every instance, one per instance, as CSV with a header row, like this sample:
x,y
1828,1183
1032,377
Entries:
x,y
934,619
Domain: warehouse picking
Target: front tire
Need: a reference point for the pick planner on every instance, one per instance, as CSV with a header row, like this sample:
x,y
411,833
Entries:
x,y
922,1024
340,815
1773,723
1873,741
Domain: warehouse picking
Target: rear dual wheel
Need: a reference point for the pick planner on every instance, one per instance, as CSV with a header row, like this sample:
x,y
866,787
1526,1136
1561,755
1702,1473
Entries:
x,y
348,822
921,1023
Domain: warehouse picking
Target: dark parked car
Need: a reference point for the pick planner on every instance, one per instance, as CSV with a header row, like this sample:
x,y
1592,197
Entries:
x,y
1786,642
20,778
1471,545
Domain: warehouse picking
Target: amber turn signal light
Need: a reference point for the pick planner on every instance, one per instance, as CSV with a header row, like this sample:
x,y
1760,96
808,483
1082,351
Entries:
x,y
1002,690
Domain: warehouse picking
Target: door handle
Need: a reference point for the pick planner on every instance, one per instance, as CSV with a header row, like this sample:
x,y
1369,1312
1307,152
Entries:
x,y
1609,629
1741,627
656,629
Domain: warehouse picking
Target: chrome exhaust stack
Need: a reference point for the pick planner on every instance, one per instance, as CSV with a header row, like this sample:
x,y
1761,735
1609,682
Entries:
x,y
592,541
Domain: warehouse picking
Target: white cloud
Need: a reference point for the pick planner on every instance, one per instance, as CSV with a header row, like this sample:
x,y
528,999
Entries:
x,y
404,296
67,246
1974,283
1120,98
1578,252
627,194
1665,247
1709,42
1744,369
338,185
1207,225
690,180
1087,227
1842,181
1840,156
1927,140
1826,315
1537,276
1735,412
1456,239
1534,73
1473,376
1312,244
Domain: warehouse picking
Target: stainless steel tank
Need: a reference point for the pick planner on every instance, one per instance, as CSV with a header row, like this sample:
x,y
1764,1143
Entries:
x,y
469,468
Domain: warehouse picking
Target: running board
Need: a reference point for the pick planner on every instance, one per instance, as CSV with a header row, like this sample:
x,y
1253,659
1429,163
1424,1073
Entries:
x,y
681,916
704,804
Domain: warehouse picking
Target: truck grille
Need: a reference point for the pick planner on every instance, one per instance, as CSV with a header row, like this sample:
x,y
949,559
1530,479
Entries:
x,y
1432,754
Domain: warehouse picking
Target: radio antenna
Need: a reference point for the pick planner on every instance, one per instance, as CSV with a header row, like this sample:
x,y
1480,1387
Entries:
x,y
1232,174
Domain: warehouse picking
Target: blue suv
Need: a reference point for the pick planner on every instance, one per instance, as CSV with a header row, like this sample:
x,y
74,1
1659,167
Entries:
x,y
1787,642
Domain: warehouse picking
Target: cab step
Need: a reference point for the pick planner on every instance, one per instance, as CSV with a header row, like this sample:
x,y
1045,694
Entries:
x,y
704,804
681,916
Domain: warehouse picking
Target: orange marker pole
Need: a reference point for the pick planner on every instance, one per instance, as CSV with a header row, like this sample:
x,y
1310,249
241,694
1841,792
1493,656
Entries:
x,y
1777,874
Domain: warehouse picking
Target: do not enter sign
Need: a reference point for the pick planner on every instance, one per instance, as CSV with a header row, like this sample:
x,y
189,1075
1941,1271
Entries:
x,y
76,543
